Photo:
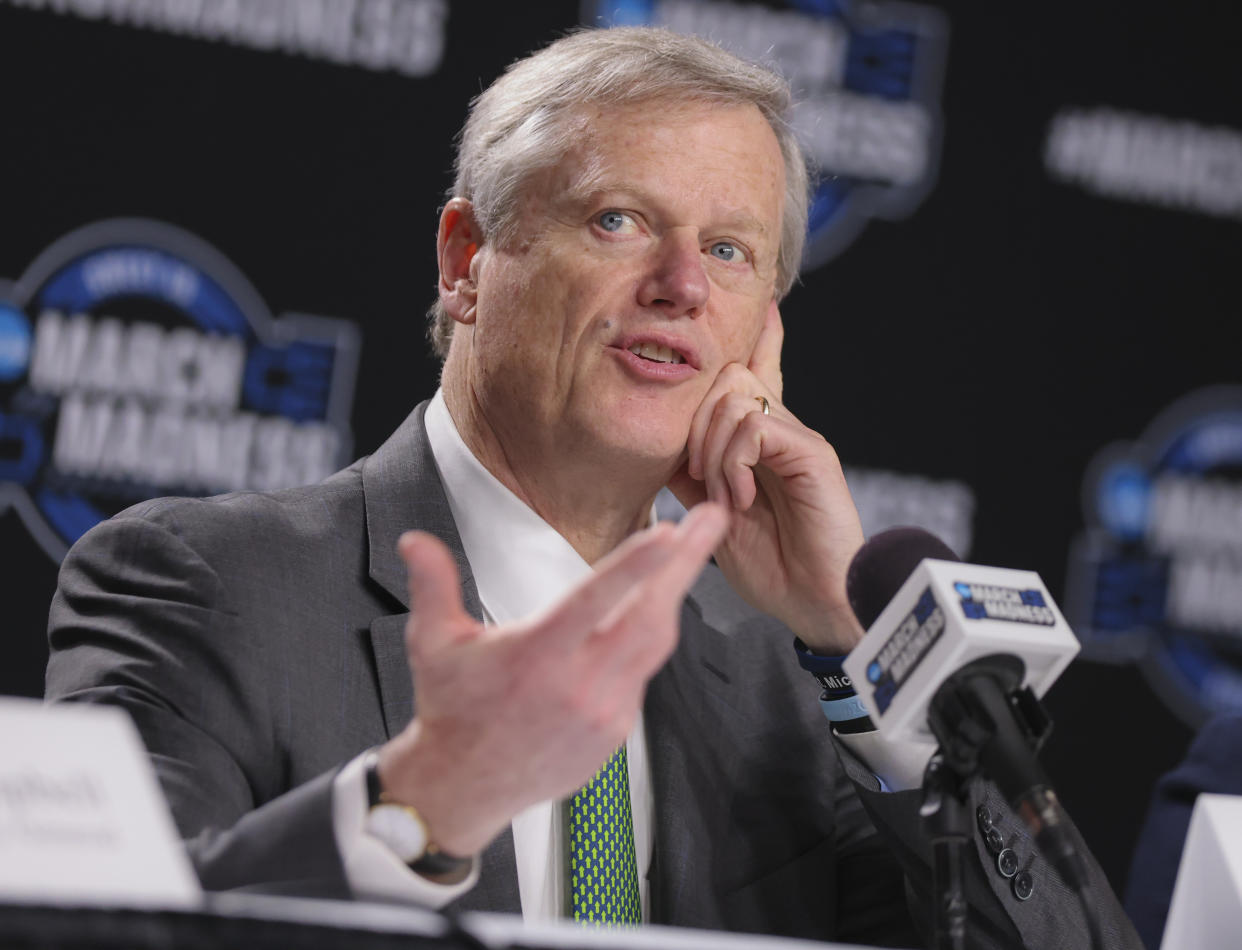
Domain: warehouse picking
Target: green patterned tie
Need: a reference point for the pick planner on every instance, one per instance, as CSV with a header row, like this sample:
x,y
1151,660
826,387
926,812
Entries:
x,y
603,875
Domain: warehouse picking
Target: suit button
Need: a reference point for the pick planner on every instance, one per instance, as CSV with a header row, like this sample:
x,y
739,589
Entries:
x,y
994,840
984,817
1007,863
1023,885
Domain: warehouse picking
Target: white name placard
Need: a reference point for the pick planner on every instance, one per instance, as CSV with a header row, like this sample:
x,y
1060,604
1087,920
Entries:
x,y
1206,907
82,818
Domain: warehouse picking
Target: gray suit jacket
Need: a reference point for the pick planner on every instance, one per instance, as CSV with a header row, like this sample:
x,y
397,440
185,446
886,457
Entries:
x,y
256,639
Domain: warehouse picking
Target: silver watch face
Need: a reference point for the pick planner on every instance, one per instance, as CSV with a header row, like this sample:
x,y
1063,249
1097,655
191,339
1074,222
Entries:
x,y
400,829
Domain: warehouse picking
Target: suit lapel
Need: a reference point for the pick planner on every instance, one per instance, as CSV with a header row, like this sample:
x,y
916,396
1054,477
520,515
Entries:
x,y
393,671
402,490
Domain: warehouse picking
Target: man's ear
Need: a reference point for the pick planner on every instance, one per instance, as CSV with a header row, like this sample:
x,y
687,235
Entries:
x,y
457,245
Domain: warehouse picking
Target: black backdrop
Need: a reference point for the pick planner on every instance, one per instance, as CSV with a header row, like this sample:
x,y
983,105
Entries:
x,y
1000,335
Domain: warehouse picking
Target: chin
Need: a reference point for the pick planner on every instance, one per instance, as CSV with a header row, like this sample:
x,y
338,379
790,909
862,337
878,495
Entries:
x,y
633,432
644,445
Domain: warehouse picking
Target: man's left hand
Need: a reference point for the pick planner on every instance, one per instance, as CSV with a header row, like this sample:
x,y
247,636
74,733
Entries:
x,y
794,529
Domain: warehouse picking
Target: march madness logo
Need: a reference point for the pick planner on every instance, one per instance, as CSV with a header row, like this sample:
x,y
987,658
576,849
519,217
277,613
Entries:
x,y
992,602
866,80
136,361
1156,578
905,649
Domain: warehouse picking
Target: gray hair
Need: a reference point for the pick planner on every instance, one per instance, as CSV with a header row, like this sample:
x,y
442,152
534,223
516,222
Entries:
x,y
518,126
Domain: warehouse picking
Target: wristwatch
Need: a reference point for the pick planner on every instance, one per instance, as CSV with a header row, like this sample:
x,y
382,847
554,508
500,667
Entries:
x,y
403,829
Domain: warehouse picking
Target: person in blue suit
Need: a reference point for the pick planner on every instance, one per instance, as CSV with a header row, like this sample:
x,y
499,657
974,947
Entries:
x,y
1213,764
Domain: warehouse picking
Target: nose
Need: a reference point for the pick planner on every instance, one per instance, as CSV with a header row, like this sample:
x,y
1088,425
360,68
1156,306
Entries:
x,y
676,281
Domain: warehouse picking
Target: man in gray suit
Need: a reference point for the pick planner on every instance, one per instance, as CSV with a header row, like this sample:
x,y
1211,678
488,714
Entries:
x,y
386,684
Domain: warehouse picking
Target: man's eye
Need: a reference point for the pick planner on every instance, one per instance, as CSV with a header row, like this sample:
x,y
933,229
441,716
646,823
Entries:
x,y
612,220
726,251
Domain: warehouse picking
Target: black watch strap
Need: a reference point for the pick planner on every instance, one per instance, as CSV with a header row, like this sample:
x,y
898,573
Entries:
x,y
433,862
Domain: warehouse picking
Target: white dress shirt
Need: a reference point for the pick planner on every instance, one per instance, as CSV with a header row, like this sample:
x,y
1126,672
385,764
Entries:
x,y
521,565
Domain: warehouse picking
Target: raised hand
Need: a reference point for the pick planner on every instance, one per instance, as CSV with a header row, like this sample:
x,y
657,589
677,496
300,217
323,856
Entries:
x,y
794,528
511,715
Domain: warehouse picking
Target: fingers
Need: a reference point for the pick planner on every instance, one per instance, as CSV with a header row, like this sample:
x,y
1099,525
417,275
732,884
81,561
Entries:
x,y
780,446
658,564
741,454
765,361
760,377
617,575
437,614
732,438
738,426
734,380
696,537
731,411
641,633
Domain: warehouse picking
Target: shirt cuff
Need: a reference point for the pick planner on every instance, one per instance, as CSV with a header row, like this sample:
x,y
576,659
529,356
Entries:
x,y
373,871
898,765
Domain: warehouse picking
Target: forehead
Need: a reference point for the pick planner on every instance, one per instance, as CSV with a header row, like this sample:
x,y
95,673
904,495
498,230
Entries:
x,y
715,156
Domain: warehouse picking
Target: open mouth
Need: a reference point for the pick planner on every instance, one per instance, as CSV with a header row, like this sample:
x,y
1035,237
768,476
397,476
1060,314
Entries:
x,y
656,353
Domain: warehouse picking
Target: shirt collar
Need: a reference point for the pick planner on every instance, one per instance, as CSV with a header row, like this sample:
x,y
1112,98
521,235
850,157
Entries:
x,y
521,564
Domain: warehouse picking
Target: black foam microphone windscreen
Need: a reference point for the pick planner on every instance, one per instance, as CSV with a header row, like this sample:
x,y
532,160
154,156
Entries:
x,y
882,565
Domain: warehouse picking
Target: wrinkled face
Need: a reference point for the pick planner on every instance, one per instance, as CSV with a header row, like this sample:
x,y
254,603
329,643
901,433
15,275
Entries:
x,y
644,263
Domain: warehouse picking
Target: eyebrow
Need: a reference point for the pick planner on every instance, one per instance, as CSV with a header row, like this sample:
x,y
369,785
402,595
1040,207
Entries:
x,y
590,190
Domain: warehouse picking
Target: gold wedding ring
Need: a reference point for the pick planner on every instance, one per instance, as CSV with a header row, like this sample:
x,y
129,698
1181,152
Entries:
x,y
763,403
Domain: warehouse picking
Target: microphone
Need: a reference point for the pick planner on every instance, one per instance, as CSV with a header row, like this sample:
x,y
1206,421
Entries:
x,y
961,653
928,615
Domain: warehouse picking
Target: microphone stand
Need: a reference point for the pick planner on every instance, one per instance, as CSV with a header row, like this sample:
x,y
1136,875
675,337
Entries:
x,y
966,719
944,816
987,723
